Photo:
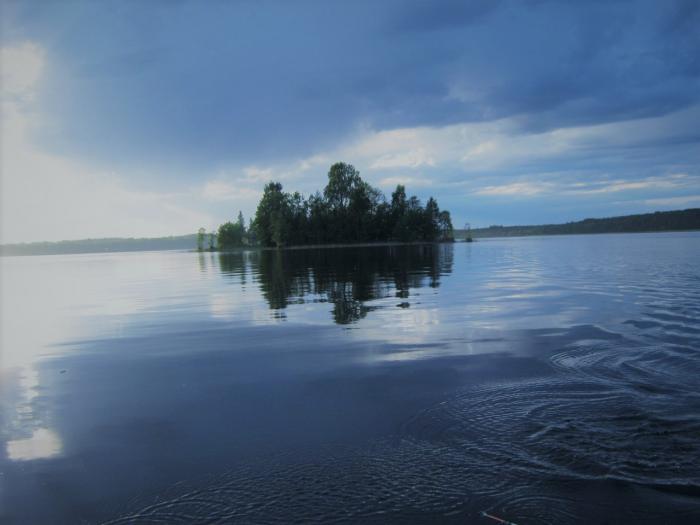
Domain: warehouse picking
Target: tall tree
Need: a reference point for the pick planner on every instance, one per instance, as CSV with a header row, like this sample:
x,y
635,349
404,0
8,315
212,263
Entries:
x,y
201,233
431,225
230,235
445,223
271,215
342,180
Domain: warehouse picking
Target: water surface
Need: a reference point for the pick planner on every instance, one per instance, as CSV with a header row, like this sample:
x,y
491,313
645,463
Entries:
x,y
543,380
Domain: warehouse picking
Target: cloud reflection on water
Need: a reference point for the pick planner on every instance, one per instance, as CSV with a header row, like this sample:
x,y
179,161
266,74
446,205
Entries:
x,y
42,444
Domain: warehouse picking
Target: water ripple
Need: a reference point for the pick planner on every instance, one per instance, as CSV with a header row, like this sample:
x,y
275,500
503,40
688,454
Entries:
x,y
614,415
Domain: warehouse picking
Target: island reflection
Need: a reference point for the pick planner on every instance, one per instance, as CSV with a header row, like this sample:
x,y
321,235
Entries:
x,y
349,278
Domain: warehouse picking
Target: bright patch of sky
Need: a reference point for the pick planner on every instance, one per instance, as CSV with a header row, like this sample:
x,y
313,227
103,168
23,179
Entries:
x,y
155,118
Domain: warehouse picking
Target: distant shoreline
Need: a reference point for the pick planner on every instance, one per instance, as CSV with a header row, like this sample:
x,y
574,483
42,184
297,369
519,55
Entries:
x,y
224,251
458,240
658,222
334,245
523,235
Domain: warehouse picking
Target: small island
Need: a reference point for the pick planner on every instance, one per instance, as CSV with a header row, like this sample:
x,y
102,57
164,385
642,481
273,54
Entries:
x,y
348,211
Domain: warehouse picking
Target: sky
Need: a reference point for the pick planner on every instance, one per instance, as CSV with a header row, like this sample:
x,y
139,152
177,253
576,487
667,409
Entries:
x,y
149,118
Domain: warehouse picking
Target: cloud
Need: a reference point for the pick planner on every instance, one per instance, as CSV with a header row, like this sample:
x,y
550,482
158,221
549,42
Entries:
x,y
49,197
672,181
535,186
191,109
21,67
685,200
526,189
125,94
412,182
226,191
45,197
409,159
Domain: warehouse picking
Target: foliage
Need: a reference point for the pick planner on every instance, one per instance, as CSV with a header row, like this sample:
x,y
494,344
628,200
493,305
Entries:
x,y
348,210
677,220
232,234
201,233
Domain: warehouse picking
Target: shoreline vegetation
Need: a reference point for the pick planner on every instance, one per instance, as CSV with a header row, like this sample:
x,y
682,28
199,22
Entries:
x,y
669,221
348,211
659,221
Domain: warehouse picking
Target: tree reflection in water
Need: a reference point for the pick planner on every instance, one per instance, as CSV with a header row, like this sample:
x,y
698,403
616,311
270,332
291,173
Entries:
x,y
346,277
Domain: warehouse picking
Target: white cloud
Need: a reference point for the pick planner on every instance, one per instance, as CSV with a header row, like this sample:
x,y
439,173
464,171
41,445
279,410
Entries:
x,y
420,182
685,200
244,186
527,189
220,190
534,185
21,67
668,182
408,159
470,147
481,149
256,174
501,149
49,197
487,159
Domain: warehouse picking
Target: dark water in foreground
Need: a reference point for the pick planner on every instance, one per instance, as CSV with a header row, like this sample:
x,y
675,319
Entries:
x,y
544,380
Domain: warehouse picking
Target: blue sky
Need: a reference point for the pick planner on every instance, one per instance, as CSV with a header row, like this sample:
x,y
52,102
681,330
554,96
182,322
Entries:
x,y
158,117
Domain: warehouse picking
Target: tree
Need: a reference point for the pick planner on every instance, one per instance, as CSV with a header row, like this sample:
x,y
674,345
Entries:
x,y
241,221
201,233
318,219
364,201
399,222
398,200
431,224
270,215
345,196
297,219
252,237
342,180
230,235
278,228
445,226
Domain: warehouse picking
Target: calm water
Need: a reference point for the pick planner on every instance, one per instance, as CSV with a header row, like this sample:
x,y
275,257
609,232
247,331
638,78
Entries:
x,y
543,380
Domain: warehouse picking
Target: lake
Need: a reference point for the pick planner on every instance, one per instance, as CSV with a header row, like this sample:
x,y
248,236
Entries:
x,y
541,380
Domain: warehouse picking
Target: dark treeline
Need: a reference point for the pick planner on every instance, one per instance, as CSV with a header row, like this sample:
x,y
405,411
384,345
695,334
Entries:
x,y
346,278
677,220
349,210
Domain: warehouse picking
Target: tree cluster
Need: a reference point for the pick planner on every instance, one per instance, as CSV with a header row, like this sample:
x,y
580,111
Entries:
x,y
348,211
233,234
202,237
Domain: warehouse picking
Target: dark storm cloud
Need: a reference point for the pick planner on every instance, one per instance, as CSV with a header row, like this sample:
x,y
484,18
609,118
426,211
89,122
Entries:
x,y
192,84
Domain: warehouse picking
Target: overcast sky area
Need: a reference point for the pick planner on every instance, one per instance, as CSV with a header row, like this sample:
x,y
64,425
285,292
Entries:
x,y
151,118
